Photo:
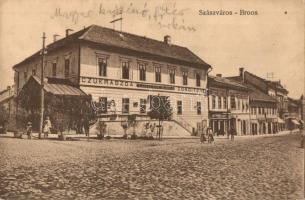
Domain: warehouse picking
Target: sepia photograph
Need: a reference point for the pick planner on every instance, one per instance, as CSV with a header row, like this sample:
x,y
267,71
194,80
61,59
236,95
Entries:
x,y
152,99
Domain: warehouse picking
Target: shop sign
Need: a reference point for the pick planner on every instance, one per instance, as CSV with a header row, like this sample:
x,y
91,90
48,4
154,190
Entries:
x,y
219,116
94,81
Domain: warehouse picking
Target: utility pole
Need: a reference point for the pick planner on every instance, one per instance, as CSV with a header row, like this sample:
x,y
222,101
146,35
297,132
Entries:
x,y
42,85
118,19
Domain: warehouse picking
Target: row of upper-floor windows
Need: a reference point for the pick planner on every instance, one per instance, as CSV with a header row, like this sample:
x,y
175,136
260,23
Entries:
x,y
54,70
235,103
142,70
125,67
263,110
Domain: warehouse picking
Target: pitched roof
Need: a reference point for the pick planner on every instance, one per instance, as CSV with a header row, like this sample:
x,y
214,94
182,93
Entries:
x,y
294,102
277,85
59,43
215,80
273,84
109,37
60,89
255,94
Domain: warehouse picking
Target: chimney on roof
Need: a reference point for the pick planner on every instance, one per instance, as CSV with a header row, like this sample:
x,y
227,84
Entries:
x,y
67,31
167,40
54,37
241,73
219,75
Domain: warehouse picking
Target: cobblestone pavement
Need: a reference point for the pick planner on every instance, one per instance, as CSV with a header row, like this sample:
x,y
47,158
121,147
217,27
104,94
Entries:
x,y
248,168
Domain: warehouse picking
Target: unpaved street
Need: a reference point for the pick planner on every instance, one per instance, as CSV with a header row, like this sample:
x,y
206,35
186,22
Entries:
x,y
249,168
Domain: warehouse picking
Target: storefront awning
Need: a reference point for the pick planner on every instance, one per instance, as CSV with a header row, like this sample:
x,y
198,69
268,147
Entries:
x,y
60,88
295,122
279,120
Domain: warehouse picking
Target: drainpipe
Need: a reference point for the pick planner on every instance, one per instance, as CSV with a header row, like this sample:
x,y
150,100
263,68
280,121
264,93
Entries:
x,y
208,93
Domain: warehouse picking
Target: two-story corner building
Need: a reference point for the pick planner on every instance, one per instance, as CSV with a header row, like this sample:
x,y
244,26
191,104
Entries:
x,y
122,70
228,106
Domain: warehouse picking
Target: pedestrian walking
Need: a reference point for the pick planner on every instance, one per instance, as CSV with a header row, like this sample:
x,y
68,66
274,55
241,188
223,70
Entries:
x,y
29,130
210,135
202,137
232,133
47,127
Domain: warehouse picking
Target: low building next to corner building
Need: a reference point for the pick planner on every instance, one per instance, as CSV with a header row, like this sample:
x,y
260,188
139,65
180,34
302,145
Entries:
x,y
263,110
268,102
228,106
7,108
120,71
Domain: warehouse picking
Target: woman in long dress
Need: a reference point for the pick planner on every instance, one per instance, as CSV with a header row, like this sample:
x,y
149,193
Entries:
x,y
47,127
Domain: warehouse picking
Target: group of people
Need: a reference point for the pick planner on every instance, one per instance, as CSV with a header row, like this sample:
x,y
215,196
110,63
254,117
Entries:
x,y
208,135
59,127
46,128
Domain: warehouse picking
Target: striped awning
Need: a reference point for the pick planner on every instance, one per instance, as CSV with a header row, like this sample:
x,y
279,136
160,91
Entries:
x,y
295,122
279,120
62,89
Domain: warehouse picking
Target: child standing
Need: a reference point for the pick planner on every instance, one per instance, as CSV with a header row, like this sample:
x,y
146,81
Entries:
x,y
47,127
29,130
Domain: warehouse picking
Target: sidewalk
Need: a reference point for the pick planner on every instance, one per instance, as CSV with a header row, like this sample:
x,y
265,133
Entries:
x,y
94,136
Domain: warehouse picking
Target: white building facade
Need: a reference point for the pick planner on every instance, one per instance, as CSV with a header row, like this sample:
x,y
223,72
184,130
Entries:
x,y
121,71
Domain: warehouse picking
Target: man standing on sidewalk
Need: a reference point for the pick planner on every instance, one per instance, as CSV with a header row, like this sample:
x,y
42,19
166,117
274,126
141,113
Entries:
x,y
232,132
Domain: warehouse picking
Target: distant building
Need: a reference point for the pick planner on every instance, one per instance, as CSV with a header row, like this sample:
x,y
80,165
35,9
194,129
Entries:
x,y
7,102
228,106
281,95
272,89
294,117
263,109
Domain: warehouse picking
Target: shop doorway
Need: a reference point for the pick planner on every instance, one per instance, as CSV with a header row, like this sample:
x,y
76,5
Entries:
x,y
244,127
269,128
254,129
222,128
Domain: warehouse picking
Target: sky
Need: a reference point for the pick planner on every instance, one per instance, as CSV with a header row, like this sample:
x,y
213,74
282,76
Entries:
x,y
269,41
